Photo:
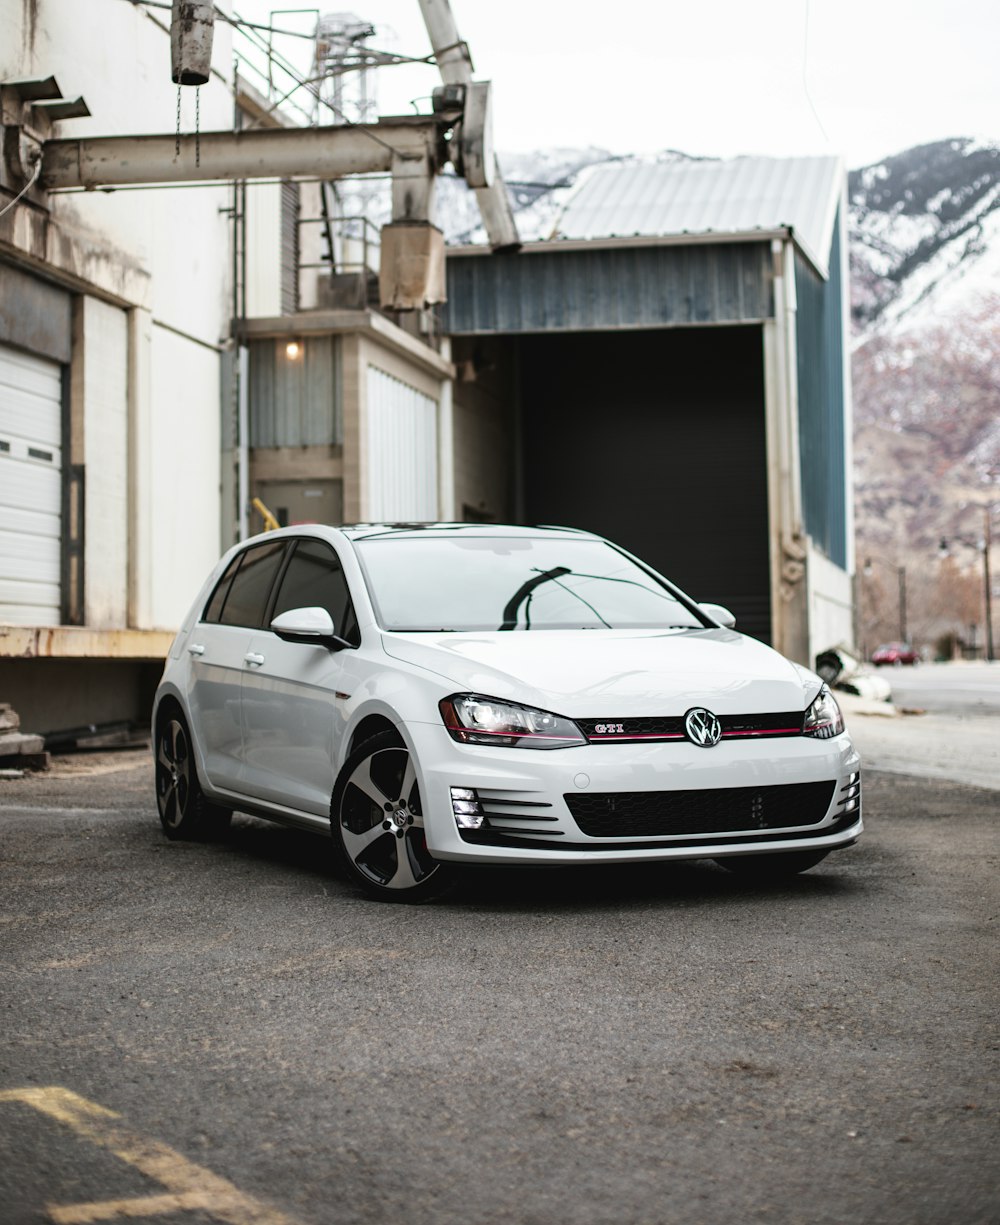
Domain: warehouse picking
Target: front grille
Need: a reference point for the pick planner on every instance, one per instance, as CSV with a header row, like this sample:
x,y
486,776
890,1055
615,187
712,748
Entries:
x,y
488,837
671,727
651,814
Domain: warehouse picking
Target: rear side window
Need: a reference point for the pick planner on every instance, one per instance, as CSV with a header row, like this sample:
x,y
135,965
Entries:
x,y
213,609
251,585
314,578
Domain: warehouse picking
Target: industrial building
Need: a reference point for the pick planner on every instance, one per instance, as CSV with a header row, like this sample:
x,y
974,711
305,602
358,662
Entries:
x,y
168,353
668,369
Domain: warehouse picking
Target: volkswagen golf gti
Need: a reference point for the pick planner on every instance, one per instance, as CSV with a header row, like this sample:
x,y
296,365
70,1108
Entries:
x,y
433,695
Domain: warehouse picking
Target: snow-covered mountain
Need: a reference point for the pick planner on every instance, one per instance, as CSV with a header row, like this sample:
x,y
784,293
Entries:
x,y
925,236
925,281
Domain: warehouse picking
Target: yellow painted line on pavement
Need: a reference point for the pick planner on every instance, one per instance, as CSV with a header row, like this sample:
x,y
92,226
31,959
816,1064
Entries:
x,y
190,1187
112,1209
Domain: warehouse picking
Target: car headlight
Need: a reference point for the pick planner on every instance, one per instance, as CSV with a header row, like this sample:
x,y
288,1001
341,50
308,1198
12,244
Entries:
x,y
823,718
473,719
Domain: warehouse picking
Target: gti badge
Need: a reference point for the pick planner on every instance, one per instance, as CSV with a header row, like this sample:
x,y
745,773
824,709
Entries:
x,y
702,727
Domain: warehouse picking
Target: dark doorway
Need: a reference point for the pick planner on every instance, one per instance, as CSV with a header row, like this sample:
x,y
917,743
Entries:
x,y
657,440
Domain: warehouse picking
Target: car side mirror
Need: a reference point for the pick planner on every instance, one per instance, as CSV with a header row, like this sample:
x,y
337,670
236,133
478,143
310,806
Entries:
x,y
308,625
720,613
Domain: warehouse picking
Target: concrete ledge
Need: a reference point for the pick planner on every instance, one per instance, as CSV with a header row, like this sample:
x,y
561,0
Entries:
x,y
79,642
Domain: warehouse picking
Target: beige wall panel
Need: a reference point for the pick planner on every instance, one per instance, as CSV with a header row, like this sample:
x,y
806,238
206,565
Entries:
x,y
105,455
263,287
183,481
483,429
353,399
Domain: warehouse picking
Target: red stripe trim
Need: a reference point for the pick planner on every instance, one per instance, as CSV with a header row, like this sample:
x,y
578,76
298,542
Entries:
x,y
479,731
776,731
628,737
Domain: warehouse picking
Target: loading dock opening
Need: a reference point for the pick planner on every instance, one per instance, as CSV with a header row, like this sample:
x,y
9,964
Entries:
x,y
653,438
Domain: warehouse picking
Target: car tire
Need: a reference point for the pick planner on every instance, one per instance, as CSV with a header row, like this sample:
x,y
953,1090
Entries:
x,y
378,828
773,866
185,812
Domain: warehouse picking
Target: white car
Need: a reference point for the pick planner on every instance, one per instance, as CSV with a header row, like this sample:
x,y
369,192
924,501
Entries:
x,y
443,694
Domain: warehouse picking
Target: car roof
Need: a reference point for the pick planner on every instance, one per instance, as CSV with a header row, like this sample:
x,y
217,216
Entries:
x,y
368,531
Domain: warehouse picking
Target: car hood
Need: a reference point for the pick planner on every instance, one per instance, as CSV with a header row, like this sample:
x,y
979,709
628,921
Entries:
x,y
614,673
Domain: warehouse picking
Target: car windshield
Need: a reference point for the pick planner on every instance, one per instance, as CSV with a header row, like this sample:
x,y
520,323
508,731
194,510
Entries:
x,y
477,583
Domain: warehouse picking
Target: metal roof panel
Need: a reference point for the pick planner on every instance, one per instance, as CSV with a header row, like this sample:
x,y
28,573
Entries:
x,y
740,195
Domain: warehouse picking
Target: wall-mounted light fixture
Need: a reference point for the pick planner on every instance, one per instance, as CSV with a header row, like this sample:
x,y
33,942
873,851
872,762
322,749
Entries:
x,y
293,350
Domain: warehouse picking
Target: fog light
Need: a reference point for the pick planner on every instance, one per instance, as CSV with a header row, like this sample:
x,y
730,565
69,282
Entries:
x,y
851,792
467,809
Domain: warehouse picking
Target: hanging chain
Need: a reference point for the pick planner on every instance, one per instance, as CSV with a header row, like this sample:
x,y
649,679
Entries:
x,y
197,126
177,139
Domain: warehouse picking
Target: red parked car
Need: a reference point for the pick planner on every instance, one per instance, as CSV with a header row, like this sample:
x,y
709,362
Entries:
x,y
895,653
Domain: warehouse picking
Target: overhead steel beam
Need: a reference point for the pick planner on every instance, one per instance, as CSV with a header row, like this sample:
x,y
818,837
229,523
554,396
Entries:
x,y
455,64
327,153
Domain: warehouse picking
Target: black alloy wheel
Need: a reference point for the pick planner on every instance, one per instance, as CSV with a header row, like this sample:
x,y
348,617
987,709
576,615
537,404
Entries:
x,y
185,813
378,825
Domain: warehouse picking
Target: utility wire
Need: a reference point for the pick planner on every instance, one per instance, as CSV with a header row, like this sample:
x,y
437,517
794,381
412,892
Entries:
x,y
309,85
805,77
249,30
25,189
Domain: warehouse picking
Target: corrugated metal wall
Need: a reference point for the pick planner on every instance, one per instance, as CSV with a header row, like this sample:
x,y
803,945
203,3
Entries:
x,y
606,288
295,401
402,451
820,353
289,247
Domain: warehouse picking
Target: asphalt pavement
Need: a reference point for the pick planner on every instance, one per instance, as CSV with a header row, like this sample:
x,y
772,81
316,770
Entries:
x,y
943,722
231,1032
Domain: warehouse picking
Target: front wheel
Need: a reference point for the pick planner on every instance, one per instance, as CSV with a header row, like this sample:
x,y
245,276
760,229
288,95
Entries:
x,y
378,825
184,810
771,867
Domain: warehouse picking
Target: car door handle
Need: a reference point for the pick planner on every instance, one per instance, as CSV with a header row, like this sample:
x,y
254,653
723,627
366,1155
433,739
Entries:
x,y
252,659
196,649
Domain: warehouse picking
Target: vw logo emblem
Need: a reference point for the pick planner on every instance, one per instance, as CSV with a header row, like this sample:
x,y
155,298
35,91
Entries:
x,y
702,727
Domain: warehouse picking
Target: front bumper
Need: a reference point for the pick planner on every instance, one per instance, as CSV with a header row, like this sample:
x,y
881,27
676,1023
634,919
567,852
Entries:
x,y
524,792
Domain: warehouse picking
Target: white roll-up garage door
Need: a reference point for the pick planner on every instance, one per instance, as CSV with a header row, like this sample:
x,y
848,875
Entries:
x,y
402,451
30,488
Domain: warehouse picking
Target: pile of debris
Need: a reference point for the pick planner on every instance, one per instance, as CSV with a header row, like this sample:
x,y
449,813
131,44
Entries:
x,y
842,669
19,751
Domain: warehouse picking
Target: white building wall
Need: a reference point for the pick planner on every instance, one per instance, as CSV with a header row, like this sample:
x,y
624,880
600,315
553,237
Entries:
x,y
263,270
831,605
183,480
151,393
104,337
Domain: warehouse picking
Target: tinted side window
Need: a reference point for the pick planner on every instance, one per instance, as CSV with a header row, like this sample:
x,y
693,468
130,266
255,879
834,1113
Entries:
x,y
251,585
214,606
314,578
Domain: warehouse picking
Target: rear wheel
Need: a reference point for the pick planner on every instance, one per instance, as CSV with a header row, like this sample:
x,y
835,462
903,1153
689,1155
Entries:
x,y
378,825
771,867
184,810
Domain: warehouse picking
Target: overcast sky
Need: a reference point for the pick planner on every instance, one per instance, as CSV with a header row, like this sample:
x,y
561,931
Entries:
x,y
859,78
